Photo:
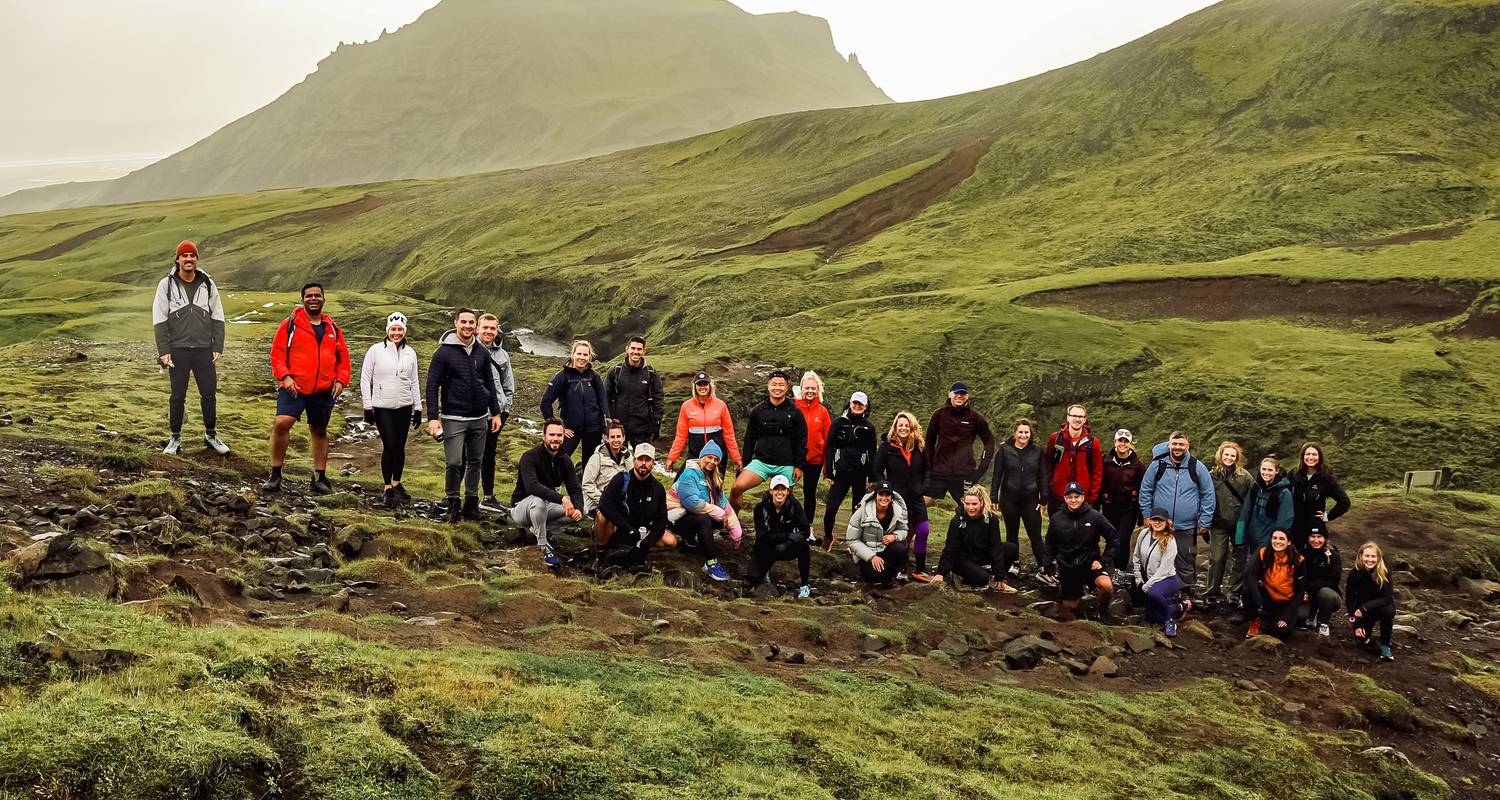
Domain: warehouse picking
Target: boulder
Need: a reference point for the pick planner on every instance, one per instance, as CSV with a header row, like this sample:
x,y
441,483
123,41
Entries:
x,y
1263,643
55,558
873,643
1026,651
1404,578
1075,666
349,540
1140,641
954,645
1197,628
1104,665
1480,589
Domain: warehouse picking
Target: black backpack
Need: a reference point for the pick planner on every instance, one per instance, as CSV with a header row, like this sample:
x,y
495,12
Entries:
x,y
1192,468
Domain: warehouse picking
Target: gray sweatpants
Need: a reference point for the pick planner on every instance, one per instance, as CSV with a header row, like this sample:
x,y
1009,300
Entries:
x,y
463,450
535,514
1187,558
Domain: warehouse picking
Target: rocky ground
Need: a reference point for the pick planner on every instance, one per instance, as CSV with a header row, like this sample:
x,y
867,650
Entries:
x,y
200,544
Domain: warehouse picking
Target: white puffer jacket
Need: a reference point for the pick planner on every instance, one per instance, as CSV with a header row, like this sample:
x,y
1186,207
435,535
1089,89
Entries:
x,y
388,377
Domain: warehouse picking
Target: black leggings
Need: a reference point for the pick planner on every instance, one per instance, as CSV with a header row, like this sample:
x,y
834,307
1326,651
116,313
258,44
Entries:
x,y
1123,516
487,465
392,423
197,362
1383,619
894,556
589,440
811,474
973,573
695,532
766,555
1015,512
837,488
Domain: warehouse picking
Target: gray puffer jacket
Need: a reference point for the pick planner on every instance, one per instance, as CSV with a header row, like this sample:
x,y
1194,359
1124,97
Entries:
x,y
865,532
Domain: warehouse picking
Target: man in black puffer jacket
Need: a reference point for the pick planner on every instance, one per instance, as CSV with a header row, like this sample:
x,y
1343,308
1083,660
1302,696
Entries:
x,y
461,406
1073,539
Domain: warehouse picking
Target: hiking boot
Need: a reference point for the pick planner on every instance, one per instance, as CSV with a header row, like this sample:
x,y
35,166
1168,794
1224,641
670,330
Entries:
x,y
471,509
549,557
273,483
1015,570
174,445
452,511
715,570
401,494
320,484
804,593
1170,628
493,506
389,496
1323,630
216,444
1385,653
1044,579
1254,629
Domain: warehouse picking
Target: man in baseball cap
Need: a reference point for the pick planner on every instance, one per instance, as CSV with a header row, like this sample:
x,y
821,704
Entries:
x,y
634,504
1118,487
781,534
188,318
1074,536
950,454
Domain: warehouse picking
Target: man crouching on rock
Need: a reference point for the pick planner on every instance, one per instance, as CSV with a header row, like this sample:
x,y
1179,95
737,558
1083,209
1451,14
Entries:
x,y
536,502
634,504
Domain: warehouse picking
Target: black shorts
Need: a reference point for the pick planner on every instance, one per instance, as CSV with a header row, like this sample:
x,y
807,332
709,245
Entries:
x,y
1074,583
942,487
319,407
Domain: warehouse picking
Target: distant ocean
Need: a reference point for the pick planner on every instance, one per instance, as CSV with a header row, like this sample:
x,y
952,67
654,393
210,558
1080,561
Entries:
x,y
17,175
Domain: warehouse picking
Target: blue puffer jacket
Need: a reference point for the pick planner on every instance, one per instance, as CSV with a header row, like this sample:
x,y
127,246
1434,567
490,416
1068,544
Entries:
x,y
1190,502
580,395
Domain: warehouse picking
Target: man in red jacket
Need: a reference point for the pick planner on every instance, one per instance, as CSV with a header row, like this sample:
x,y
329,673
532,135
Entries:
x,y
310,360
1076,456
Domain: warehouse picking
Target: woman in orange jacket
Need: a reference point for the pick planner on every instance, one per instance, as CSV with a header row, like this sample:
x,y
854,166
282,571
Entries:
x,y
704,418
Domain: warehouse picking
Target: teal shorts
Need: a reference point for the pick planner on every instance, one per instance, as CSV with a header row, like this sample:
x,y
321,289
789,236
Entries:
x,y
765,471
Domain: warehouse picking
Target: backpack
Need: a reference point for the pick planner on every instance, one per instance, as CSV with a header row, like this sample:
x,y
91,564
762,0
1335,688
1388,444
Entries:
x,y
291,330
1087,448
1192,468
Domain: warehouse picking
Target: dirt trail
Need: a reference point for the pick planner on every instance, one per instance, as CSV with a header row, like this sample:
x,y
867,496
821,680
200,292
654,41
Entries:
x,y
70,243
863,219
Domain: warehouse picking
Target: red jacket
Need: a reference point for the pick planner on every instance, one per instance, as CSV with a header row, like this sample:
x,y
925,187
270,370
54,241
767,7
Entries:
x,y
295,351
818,423
1080,460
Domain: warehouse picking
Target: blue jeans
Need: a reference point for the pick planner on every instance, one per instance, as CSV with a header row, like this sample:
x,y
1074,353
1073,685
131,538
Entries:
x,y
1164,600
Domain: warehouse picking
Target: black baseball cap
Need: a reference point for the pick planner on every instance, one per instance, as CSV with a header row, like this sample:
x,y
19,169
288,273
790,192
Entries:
x,y
1073,488
702,377
884,486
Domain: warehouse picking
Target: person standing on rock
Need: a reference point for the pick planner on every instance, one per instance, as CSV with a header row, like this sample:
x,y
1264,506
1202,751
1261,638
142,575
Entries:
x,y
634,392
391,391
950,443
1019,486
1181,484
974,552
1324,570
310,360
1266,510
1118,497
505,388
819,421
609,459
698,506
782,533
634,504
1313,484
462,406
704,418
775,440
1274,588
537,501
1074,456
1370,599
579,392
1154,567
902,462
850,459
1074,538
1226,560
876,535
188,319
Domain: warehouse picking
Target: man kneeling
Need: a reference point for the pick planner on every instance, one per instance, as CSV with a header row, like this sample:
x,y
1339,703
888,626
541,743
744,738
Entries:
x,y
634,505
781,534
1074,536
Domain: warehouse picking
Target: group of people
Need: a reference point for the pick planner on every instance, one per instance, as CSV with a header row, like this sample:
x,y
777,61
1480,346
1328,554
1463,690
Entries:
x,y
1116,521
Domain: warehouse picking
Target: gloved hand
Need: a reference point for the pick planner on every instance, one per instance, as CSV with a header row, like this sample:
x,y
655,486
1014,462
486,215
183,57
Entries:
x,y
369,416
416,419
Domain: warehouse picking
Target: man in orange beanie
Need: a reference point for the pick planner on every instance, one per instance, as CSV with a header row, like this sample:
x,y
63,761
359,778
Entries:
x,y
188,318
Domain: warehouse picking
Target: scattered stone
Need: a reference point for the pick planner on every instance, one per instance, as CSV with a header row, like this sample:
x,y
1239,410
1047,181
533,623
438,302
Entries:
x,y
1386,752
1025,652
425,621
770,651
1405,578
256,613
1104,665
398,607
339,601
263,593
1408,619
799,657
1263,643
1478,730
349,540
1197,628
1404,629
106,659
872,643
940,657
60,558
661,624
1075,666
1247,685
955,646
1453,618
1140,641
1292,708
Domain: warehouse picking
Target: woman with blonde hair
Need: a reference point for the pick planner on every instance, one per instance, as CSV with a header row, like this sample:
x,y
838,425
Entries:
x,y
1226,559
579,392
809,401
1154,564
901,460
975,554
1370,599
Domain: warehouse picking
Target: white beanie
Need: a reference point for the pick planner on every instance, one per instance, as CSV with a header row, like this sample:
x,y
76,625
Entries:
x,y
396,318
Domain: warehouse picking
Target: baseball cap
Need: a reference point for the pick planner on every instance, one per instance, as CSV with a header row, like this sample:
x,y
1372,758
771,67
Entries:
x,y
1124,433
884,486
780,481
1159,513
702,377
1073,487
645,449
859,397
959,387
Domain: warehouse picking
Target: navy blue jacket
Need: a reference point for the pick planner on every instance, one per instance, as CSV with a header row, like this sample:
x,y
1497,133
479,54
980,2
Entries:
x,y
580,397
461,384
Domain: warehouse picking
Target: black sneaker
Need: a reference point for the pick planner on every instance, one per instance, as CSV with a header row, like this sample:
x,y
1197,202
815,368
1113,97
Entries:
x,y
471,509
401,494
453,511
320,484
273,483
391,500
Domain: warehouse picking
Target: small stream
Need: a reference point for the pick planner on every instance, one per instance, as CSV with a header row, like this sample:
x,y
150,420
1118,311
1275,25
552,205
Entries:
x,y
538,344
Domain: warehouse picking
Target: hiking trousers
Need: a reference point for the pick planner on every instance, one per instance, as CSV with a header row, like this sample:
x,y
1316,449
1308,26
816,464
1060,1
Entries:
x,y
463,447
197,363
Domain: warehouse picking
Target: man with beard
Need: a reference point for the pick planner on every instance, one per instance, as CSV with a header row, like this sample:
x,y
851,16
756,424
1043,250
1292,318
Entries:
x,y
635,506
634,392
462,406
536,502
310,360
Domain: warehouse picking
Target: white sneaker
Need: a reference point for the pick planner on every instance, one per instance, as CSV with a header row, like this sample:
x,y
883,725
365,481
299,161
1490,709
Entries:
x,y
216,444
174,446
1323,630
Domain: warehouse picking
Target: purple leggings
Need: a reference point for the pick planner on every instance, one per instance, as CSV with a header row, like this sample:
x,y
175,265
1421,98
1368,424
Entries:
x,y
919,537
1164,600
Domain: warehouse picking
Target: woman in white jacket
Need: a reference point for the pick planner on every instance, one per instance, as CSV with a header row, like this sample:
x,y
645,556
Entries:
x,y
390,389
1155,566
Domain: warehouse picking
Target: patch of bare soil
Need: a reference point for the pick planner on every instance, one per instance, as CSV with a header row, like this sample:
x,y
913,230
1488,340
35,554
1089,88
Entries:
x,y
1409,237
70,243
300,221
1360,305
866,217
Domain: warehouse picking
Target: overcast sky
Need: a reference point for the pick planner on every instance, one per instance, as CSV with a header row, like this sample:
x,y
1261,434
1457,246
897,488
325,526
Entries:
x,y
126,81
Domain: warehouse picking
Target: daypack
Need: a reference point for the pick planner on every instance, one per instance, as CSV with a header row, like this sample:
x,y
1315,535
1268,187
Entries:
x,y
1192,468
1087,448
